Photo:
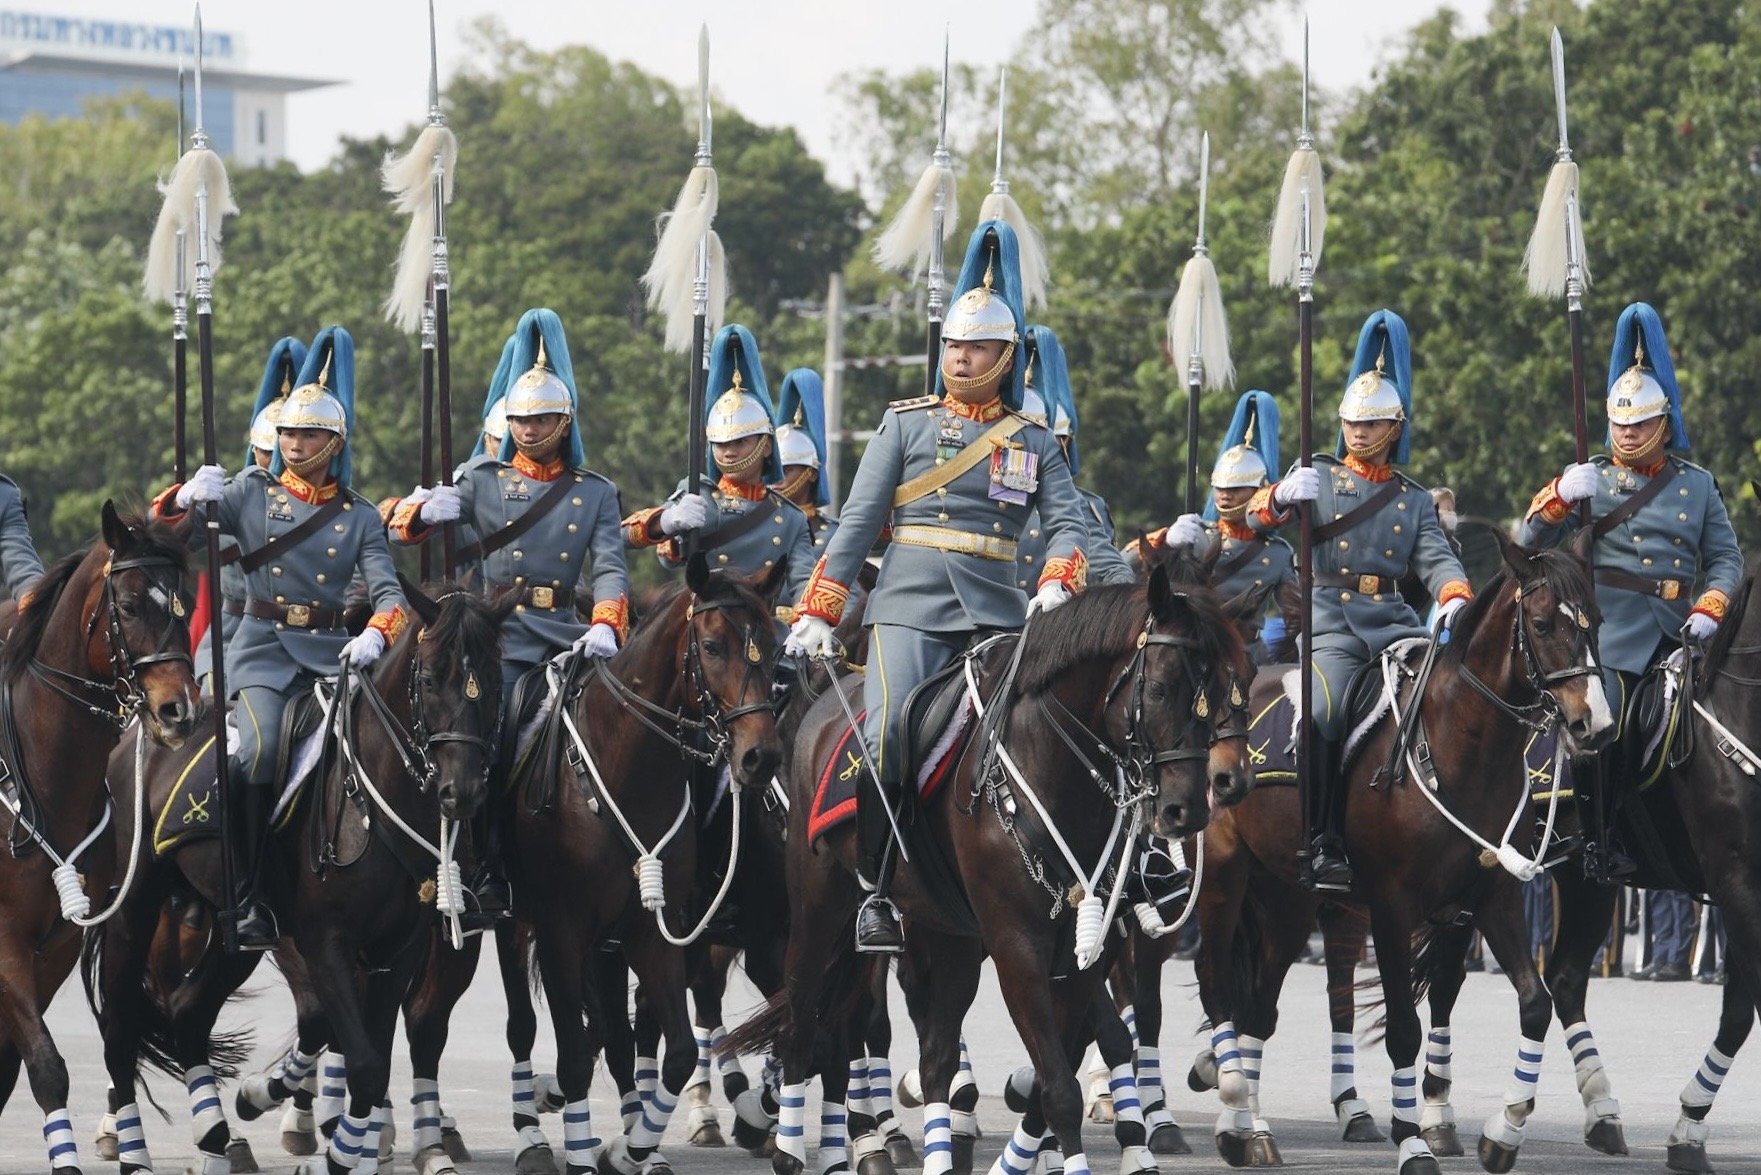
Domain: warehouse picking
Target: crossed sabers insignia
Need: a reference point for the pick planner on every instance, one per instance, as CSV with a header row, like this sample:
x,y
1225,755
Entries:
x,y
1256,756
851,768
198,808
1540,776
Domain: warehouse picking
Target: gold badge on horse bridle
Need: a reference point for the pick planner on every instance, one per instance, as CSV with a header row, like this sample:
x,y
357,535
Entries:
x,y
472,689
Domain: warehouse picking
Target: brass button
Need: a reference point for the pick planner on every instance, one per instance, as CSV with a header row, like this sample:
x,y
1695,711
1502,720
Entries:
x,y
1033,532
1683,491
1682,517
1264,563
573,528
331,552
320,577
721,558
348,505
556,583
778,519
1646,562
776,540
519,580
1027,558
941,491
519,554
279,626
1389,554
942,517
1344,596
501,473
281,599
275,571
563,555
1344,544
938,461
337,528
575,501
1638,538
1677,540
1397,528
519,607
1377,597
1400,505
997,526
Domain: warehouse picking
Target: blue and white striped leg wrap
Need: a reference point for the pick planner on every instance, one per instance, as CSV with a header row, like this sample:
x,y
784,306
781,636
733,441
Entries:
x,y
651,1123
525,1099
723,1064
348,1142
834,1149
792,1121
963,1076
425,1111
880,1088
1253,1050
857,1095
1122,1084
369,1164
1702,1088
1525,1078
131,1139
1149,1086
1076,1164
630,1109
1226,1048
938,1139
579,1143
1438,1054
204,1091
772,1074
333,1089
1129,1015
700,1074
58,1135
1344,1066
1405,1083
1018,1153
647,1076
294,1067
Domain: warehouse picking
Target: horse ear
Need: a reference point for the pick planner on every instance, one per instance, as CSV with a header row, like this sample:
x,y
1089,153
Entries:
x,y
426,608
504,607
1161,592
1246,606
1515,555
771,584
697,573
116,532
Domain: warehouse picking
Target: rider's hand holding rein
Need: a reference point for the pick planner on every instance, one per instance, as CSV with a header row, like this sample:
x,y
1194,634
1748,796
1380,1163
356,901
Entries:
x,y
810,637
207,484
1050,595
1578,482
363,650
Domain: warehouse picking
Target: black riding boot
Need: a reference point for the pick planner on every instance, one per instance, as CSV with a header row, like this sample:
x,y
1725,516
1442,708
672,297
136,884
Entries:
x,y
1604,862
254,924
492,896
877,921
1326,868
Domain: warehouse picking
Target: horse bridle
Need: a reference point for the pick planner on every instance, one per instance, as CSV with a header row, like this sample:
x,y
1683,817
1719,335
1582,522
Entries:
x,y
124,688
413,746
1540,680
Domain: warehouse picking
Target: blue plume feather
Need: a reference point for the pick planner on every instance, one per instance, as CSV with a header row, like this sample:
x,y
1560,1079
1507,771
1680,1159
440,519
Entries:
x,y
285,360
336,344
1261,410
1639,323
534,326
1051,379
994,246
498,387
734,349
1385,331
803,394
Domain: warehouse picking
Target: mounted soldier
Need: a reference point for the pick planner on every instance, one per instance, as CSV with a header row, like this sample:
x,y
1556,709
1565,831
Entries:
x,y
801,442
1666,557
20,565
1372,523
304,534
956,476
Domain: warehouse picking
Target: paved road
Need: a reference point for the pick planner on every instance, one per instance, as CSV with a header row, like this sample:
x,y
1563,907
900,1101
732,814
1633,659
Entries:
x,y
1652,1036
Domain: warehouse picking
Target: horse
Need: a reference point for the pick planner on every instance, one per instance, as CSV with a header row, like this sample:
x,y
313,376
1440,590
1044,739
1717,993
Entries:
x,y
1521,657
350,868
610,846
101,638
1111,696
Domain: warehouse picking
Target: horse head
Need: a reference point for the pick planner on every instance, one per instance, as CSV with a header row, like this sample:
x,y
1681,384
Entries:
x,y
135,610
728,658
454,687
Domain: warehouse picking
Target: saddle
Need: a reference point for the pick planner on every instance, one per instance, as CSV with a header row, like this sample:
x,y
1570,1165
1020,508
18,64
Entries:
x,y
1271,736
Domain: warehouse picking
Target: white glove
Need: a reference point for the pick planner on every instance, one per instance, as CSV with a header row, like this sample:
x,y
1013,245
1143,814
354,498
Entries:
x,y
599,641
688,513
1579,482
1187,531
206,484
442,505
363,650
810,637
1701,626
1446,613
1302,484
1049,596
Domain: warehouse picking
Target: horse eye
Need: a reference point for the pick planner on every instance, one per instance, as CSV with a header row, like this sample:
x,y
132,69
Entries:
x,y
128,607
1155,691
1544,626
715,648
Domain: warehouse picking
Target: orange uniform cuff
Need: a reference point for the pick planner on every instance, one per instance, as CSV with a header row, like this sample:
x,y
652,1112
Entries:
x,y
1072,572
1548,505
1455,589
390,624
615,613
642,529
1713,603
406,523
823,596
165,506
1262,507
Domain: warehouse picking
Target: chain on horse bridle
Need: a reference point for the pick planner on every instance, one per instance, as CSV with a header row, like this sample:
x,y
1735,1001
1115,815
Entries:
x,y
1544,710
124,688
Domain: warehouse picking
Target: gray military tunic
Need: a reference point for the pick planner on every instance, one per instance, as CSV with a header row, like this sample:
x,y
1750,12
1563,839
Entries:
x,y
950,568
19,563
1681,539
784,535
1106,563
1355,622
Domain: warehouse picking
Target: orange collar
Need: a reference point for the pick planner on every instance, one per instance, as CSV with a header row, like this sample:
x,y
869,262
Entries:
x,y
752,491
1376,473
549,471
305,491
1650,470
1239,531
983,413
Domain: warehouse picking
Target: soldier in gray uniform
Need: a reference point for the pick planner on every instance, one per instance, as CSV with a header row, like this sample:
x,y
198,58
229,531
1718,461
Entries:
x,y
1372,523
956,477
304,534
801,450
19,563
1666,557
744,527
1246,559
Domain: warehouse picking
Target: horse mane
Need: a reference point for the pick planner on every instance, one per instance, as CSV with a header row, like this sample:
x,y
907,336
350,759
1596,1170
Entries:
x,y
1726,635
34,611
469,628
1560,571
1104,622
668,598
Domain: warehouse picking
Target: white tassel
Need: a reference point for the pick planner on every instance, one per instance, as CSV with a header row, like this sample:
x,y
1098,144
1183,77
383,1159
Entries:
x,y
196,169
905,245
672,275
718,287
1545,258
1198,305
410,180
1036,271
1304,166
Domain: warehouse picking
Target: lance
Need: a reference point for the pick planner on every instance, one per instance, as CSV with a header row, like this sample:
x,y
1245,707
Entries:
x,y
1001,205
1555,260
180,327
1196,325
1297,232
686,281
913,241
421,182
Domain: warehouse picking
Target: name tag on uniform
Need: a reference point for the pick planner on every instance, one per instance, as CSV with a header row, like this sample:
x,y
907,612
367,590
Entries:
x,y
949,441
511,494
278,513
1014,475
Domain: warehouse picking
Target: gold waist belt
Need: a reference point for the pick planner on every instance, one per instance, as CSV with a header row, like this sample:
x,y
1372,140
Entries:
x,y
985,546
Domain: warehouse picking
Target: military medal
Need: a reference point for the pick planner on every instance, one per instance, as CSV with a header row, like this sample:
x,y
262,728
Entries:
x,y
1014,475
950,440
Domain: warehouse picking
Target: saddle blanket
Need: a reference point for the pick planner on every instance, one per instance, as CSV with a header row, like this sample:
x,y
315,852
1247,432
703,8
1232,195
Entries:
x,y
834,797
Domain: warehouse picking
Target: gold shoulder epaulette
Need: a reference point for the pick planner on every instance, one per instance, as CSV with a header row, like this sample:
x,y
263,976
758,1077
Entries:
x,y
914,403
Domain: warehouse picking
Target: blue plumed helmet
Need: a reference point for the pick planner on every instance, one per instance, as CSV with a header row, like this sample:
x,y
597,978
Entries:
x,y
987,301
801,426
279,376
1249,455
1641,375
738,398
492,400
324,397
540,336
1380,384
1050,370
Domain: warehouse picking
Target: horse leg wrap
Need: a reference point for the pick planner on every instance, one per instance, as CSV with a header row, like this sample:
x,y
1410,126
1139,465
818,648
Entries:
x,y
749,1107
1100,1094
1129,1015
938,1139
297,1123
963,1090
1404,1083
1050,1160
1702,1088
647,1076
733,1079
651,1123
425,1112
1018,1153
792,1121
1253,1051
580,1146
834,1150
547,1093
1689,1130
1232,1087
700,1074
1344,1076
1592,1076
525,1098
207,1119
1506,1128
369,1164
880,1088
1076,1164
347,1143
1122,1087
1413,1148
531,1138
1438,1054
131,1140
630,1109
332,1088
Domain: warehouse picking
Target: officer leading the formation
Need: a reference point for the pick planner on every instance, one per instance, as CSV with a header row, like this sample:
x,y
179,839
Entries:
x,y
1372,524
1666,557
303,534
955,477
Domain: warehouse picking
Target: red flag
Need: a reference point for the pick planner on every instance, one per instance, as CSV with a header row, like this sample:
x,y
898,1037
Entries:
x,y
199,618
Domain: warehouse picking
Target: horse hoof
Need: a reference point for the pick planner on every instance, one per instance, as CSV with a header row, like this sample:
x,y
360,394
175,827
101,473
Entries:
x,y
784,1163
1606,1136
901,1152
453,1143
547,1094
1689,1158
1263,1151
1363,1128
433,1161
708,1135
1495,1156
1441,1138
876,1163
963,1144
105,1145
749,1137
1202,1077
1137,1160
910,1090
1101,1110
1421,1165
1233,1147
1167,1139
534,1160
238,1152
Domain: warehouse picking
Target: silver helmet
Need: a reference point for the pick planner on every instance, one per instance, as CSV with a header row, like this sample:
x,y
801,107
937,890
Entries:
x,y
795,447
1371,396
1636,397
540,392
978,315
737,413
263,427
1239,467
312,406
495,421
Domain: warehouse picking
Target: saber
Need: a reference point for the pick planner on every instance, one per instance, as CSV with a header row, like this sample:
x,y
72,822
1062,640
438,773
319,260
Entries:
x,y
830,661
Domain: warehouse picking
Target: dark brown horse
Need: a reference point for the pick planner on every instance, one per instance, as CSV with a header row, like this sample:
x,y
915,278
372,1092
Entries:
x,y
1122,710
102,636
1521,655
353,868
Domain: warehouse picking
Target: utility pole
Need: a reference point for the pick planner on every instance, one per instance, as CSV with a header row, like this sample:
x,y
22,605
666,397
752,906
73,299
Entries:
x,y
834,387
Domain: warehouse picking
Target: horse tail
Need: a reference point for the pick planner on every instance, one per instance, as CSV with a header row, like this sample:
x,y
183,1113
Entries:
x,y
1247,950
1428,963
847,985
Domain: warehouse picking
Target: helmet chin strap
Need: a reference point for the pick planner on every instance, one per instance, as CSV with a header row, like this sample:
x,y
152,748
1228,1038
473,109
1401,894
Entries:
x,y
543,450
317,462
1376,449
972,383
1232,513
798,486
742,469
1643,452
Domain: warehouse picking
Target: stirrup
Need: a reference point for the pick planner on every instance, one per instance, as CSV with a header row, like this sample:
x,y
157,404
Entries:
x,y
1324,868
878,928
254,925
